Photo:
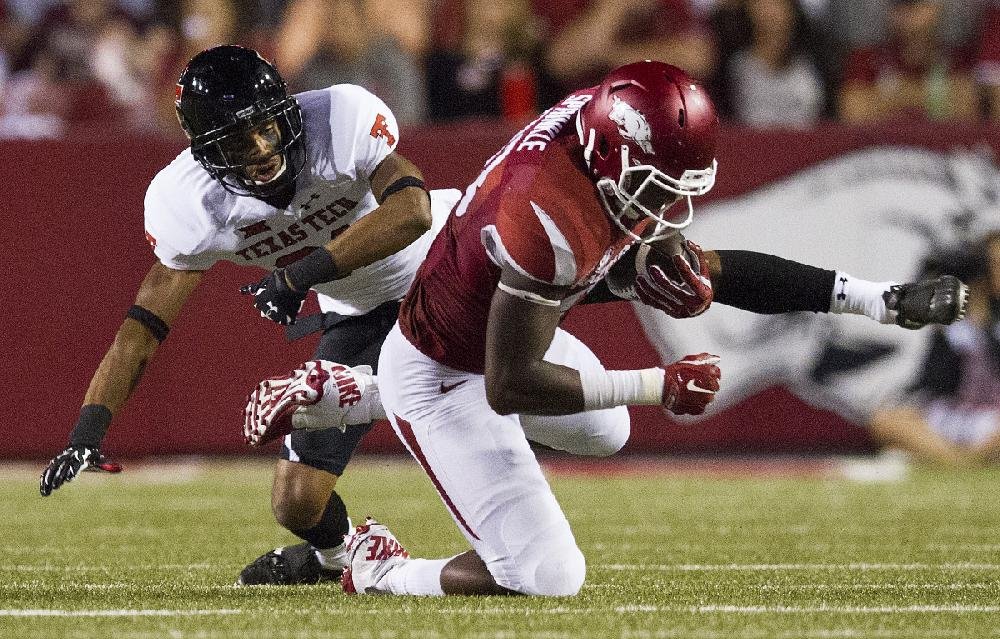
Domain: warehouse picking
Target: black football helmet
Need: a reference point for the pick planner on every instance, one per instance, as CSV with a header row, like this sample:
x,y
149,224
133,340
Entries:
x,y
244,127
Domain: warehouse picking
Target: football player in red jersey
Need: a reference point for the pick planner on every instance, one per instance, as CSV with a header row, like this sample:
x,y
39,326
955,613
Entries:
x,y
477,365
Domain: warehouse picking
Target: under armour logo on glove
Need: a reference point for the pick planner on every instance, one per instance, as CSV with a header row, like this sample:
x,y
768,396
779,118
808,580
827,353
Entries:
x,y
679,287
318,395
275,299
690,384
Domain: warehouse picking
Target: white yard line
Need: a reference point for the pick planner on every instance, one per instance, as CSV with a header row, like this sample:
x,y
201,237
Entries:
x,y
713,609
613,567
927,586
106,568
708,609
153,612
557,610
776,567
932,609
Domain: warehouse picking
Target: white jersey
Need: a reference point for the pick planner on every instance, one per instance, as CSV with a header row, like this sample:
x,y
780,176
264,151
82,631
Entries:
x,y
193,222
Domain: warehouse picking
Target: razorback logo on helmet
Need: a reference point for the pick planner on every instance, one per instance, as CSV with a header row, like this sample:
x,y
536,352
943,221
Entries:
x,y
632,124
381,129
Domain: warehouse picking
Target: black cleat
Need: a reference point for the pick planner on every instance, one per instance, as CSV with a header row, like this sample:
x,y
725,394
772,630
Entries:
x,y
287,566
939,301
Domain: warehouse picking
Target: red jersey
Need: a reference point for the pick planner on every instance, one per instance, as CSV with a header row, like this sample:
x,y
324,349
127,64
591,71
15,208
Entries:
x,y
533,208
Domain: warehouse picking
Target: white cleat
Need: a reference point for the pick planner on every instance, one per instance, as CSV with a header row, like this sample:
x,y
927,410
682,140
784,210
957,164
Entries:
x,y
372,551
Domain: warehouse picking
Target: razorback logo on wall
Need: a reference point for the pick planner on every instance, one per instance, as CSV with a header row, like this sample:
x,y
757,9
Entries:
x,y
875,213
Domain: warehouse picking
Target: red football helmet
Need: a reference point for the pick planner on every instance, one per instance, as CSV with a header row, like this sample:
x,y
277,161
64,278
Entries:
x,y
649,137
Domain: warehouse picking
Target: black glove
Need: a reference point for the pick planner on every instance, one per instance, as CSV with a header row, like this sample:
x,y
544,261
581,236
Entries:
x,y
68,464
275,299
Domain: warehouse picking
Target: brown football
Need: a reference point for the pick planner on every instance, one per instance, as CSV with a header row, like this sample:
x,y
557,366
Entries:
x,y
659,254
621,277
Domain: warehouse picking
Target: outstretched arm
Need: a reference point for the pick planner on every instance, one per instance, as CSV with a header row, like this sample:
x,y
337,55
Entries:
x,y
157,304
682,280
767,284
163,293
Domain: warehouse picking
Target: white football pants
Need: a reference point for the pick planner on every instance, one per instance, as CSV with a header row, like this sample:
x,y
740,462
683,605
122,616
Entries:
x,y
483,467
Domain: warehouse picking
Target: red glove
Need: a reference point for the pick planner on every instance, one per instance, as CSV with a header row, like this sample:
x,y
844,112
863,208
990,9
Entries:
x,y
680,288
690,384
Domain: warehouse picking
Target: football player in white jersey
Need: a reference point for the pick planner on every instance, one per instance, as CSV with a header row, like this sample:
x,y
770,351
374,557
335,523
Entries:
x,y
270,178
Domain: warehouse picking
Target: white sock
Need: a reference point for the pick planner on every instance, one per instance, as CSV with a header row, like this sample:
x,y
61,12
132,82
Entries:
x,y
861,297
415,577
333,558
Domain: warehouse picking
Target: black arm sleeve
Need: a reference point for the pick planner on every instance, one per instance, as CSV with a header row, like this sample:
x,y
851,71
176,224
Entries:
x,y
600,294
768,284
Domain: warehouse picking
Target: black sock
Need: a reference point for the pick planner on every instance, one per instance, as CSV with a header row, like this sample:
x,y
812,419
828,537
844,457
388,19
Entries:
x,y
332,526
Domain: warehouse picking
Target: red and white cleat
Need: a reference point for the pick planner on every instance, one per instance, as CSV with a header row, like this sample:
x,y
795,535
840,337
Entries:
x,y
372,551
317,395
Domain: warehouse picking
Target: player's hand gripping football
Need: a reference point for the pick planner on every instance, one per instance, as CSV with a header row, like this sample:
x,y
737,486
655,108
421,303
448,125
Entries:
x,y
71,462
689,385
275,299
680,288
319,394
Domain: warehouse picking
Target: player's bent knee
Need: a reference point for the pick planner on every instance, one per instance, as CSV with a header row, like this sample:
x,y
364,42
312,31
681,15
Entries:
x,y
561,574
296,512
298,499
607,435
551,573
610,441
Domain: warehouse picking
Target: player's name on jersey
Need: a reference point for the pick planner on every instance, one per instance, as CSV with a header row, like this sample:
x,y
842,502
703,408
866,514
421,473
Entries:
x,y
553,120
322,218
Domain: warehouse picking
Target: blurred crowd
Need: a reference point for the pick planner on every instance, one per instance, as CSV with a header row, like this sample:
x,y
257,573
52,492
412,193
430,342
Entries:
x,y
769,63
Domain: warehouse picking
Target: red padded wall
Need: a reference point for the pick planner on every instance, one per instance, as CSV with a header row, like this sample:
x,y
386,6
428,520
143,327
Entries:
x,y
74,253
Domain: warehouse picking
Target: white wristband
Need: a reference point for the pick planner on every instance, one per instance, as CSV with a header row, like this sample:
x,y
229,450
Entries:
x,y
607,389
861,297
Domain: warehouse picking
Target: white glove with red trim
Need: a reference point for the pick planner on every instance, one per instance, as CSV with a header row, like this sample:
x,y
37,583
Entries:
x,y
678,285
318,395
689,385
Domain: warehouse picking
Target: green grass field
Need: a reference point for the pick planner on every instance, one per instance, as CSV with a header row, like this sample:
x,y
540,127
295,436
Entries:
x,y
152,553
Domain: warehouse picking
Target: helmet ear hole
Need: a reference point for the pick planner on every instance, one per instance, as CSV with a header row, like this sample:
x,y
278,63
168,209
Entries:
x,y
681,117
